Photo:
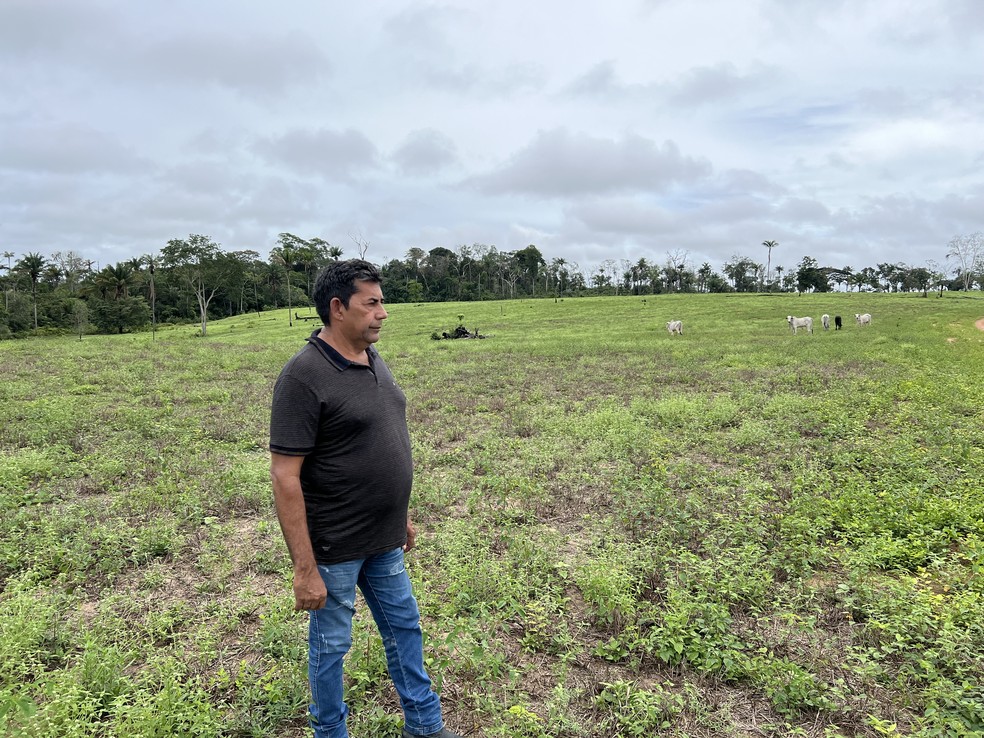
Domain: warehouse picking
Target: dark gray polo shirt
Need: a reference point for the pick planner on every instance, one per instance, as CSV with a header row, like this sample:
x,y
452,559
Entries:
x,y
349,423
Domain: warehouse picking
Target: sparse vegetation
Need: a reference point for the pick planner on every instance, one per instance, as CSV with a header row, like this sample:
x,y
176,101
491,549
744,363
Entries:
x,y
622,533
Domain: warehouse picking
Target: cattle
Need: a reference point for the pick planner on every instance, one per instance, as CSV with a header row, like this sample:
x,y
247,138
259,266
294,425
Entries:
x,y
675,327
838,324
863,320
825,319
796,323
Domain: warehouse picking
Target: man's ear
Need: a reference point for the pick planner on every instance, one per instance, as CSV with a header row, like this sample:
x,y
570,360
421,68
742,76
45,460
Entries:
x,y
335,307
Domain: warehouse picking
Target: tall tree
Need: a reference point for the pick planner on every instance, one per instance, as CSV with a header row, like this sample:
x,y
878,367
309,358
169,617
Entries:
x,y
741,271
6,299
703,276
72,266
768,267
31,266
440,268
840,276
937,276
558,270
530,262
361,243
114,281
968,253
640,275
195,260
318,254
152,261
810,276
286,252
919,279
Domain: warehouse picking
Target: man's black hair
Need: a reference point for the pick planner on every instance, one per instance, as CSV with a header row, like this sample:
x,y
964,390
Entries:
x,y
338,280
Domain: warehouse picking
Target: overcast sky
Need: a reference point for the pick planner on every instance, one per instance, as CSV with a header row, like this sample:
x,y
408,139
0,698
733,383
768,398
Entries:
x,y
848,130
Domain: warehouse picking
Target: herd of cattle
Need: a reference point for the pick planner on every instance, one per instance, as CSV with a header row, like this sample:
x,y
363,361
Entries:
x,y
862,320
675,327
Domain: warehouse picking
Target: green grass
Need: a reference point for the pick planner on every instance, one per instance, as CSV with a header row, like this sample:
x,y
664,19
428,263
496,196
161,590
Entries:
x,y
622,533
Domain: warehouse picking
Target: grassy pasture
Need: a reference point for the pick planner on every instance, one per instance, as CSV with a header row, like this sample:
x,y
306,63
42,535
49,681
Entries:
x,y
736,532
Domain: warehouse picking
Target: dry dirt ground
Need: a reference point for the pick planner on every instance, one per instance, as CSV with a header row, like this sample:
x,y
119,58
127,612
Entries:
x,y
980,324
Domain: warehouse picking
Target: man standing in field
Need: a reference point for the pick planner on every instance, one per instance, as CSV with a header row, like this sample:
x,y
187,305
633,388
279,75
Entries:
x,y
342,471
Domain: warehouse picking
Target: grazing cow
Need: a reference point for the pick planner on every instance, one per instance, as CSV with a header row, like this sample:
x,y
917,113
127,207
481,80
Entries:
x,y
864,319
796,323
838,324
825,319
675,327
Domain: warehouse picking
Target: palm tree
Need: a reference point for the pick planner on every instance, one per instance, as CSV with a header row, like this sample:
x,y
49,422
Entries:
x,y
32,266
703,276
557,267
152,261
52,275
768,270
286,254
116,280
640,273
8,255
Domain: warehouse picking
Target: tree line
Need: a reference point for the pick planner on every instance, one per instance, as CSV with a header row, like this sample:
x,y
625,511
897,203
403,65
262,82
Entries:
x,y
194,280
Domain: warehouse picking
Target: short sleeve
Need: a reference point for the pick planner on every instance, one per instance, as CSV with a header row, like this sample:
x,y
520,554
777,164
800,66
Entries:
x,y
295,415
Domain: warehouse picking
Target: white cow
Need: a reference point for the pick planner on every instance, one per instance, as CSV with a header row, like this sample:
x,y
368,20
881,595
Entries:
x,y
825,319
795,323
864,319
675,327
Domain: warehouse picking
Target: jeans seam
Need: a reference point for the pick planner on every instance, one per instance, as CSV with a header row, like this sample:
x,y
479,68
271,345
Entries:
x,y
317,658
392,634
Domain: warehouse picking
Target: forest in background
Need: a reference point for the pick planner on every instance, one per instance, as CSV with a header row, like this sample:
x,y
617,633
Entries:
x,y
194,279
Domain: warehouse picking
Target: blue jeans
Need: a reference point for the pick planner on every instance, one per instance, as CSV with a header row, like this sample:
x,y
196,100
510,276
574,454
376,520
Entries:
x,y
384,584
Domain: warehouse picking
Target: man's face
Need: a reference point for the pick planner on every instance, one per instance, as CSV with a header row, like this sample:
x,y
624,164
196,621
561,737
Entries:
x,y
364,316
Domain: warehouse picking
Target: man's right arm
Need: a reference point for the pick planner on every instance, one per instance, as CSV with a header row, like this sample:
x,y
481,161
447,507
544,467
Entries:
x,y
285,473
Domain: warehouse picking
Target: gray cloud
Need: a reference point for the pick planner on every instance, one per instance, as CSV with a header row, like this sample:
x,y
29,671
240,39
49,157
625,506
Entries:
x,y
425,152
743,182
56,41
695,86
799,210
321,152
425,39
66,149
559,163
706,85
599,81
424,29
39,30
621,216
261,65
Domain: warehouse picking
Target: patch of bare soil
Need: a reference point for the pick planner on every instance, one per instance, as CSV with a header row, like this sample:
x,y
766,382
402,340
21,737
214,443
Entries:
x,y
980,324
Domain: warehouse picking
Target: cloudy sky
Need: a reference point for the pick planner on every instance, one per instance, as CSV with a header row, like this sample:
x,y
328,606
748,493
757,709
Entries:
x,y
848,130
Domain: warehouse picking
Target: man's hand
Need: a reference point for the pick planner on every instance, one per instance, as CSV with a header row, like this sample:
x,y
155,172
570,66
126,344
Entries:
x,y
285,473
309,590
411,536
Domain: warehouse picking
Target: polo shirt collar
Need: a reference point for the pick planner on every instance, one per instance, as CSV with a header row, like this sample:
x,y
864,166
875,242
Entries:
x,y
337,360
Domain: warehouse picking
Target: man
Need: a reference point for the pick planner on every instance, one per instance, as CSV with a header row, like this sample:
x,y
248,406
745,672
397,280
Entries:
x,y
341,472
